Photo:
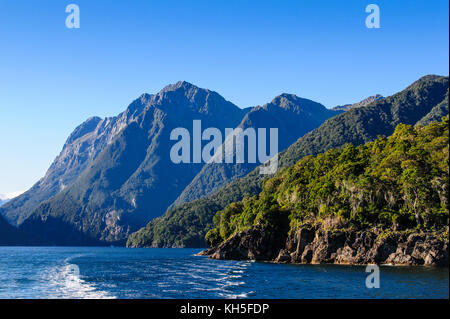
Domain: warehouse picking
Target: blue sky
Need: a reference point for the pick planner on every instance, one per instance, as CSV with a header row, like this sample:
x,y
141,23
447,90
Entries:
x,y
53,78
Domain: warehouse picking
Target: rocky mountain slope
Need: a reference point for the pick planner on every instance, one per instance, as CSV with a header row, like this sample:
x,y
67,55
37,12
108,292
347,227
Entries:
x,y
132,180
81,148
364,102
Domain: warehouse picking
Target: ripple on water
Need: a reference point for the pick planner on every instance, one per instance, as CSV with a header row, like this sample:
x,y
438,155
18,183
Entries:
x,y
46,272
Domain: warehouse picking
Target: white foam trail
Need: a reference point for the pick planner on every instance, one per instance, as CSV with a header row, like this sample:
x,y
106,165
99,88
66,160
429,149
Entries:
x,y
69,285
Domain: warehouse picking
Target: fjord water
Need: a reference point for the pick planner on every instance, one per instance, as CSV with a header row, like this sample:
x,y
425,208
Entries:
x,y
50,272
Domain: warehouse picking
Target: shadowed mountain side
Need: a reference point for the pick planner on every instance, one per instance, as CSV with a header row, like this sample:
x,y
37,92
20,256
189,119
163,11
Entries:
x,y
11,236
291,115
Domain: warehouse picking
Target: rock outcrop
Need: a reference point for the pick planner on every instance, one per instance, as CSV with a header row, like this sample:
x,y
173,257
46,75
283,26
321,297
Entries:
x,y
318,244
254,244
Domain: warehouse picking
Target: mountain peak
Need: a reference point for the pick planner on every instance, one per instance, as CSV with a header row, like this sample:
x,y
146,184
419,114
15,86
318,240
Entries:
x,y
184,85
287,96
430,77
186,95
294,103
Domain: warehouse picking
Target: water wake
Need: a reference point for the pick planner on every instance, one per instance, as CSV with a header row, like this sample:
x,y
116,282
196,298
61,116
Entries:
x,y
66,282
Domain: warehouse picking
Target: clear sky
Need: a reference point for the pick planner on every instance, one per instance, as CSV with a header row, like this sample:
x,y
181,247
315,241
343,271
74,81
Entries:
x,y
52,78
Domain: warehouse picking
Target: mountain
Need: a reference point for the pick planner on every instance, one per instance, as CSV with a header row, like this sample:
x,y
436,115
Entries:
x,y
81,148
292,115
132,179
364,102
381,202
187,224
71,199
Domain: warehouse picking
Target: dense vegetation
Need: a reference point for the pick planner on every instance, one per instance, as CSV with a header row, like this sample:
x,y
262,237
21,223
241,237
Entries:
x,y
399,183
421,101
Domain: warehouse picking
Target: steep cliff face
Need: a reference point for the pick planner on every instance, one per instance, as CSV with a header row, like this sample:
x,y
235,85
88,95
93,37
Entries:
x,y
82,147
316,243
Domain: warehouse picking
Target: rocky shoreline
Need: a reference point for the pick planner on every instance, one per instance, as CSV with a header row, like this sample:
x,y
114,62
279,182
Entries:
x,y
315,243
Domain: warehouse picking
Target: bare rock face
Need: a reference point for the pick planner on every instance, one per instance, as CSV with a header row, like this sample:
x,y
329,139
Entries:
x,y
316,244
422,250
255,244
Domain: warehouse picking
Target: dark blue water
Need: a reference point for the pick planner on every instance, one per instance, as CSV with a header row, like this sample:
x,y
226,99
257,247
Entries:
x,y
52,272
